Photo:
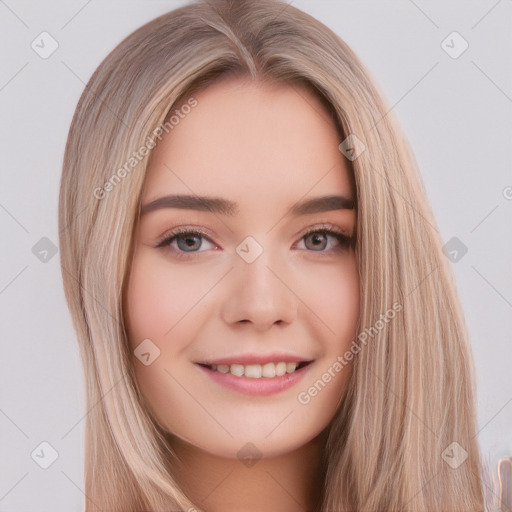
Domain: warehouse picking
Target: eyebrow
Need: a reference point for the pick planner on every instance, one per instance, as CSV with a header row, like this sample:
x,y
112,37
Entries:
x,y
230,208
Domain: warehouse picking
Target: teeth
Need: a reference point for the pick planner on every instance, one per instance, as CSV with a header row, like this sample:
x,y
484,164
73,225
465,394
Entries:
x,y
237,369
280,369
253,371
268,370
256,371
291,367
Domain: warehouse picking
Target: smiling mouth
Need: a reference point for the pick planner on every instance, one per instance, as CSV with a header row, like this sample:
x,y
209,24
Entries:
x,y
258,371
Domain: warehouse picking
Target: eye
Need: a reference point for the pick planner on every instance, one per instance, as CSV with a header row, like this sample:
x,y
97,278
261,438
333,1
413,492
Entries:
x,y
186,241
325,239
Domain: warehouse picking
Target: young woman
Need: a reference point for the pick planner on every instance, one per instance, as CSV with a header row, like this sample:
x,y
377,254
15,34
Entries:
x,y
265,315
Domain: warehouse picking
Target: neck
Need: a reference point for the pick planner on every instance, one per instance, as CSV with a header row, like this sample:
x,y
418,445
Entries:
x,y
291,482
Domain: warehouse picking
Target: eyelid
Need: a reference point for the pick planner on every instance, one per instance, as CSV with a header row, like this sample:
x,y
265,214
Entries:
x,y
325,226
184,229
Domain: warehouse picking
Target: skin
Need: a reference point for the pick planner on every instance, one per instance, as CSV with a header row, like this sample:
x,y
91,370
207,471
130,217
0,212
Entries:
x,y
265,147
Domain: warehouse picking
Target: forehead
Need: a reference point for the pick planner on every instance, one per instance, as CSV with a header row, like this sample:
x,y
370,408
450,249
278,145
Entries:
x,y
250,141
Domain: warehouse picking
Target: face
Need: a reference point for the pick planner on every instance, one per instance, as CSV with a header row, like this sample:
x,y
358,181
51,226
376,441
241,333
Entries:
x,y
239,302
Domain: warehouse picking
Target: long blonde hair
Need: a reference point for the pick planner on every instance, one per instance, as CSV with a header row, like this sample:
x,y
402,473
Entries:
x,y
412,392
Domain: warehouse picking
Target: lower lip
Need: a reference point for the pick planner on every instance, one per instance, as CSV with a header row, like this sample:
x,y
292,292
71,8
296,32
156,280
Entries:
x,y
263,386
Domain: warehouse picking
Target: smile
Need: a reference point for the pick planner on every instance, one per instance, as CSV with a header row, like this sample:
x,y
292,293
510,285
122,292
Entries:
x,y
256,379
258,371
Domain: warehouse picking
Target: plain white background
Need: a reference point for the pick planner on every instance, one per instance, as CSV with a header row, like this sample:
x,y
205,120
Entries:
x,y
456,113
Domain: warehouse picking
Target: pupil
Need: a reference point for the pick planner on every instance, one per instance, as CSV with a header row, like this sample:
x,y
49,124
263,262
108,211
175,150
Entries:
x,y
191,242
318,240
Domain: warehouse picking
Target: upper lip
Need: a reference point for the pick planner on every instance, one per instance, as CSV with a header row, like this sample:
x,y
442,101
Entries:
x,y
245,359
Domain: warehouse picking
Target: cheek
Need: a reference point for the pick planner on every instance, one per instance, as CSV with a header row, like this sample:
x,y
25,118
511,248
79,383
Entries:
x,y
159,299
331,293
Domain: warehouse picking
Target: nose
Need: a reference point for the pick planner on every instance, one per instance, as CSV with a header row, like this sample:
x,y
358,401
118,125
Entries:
x,y
259,293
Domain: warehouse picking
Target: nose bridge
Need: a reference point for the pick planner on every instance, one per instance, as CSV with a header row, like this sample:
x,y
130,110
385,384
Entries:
x,y
257,288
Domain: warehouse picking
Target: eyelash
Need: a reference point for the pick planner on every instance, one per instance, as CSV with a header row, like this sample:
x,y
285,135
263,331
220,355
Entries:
x,y
345,241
